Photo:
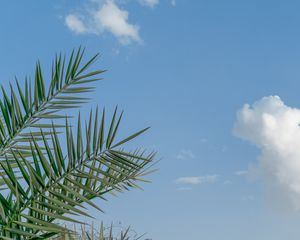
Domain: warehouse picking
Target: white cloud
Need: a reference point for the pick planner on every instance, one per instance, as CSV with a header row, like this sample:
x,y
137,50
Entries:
x,y
115,20
185,154
173,3
149,3
197,180
108,17
74,23
274,128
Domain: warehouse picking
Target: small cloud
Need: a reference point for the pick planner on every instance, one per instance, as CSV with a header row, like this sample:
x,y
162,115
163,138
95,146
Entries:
x,y
149,3
173,3
75,24
197,180
203,140
241,173
108,17
115,20
185,154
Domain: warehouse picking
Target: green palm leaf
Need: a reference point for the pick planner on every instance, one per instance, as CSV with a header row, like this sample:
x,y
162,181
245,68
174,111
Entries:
x,y
44,181
23,109
61,182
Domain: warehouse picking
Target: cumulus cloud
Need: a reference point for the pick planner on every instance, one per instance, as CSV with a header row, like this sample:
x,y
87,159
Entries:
x,y
197,180
115,20
149,3
108,17
185,154
274,128
75,24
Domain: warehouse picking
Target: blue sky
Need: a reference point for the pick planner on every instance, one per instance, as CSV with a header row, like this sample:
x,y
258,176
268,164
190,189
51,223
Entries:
x,y
185,68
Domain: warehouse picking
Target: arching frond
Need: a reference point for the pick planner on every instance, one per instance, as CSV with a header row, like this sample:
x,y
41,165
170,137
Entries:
x,y
34,105
60,182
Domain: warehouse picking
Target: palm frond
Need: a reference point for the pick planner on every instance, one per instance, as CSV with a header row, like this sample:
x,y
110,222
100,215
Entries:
x,y
57,183
34,107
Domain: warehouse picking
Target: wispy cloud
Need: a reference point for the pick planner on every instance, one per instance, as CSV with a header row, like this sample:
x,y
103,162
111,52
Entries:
x,y
173,3
108,17
274,128
149,3
194,180
185,154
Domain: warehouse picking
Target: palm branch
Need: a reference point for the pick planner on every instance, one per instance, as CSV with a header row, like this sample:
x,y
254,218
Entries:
x,y
25,108
46,182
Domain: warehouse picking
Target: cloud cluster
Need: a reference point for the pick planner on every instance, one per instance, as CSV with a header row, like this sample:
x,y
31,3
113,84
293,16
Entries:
x,y
274,128
197,180
108,17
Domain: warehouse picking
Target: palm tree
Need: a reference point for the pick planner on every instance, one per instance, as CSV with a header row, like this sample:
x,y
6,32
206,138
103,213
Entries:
x,y
49,173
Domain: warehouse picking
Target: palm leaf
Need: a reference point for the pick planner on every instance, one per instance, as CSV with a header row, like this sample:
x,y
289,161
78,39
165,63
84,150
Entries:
x,y
24,109
58,183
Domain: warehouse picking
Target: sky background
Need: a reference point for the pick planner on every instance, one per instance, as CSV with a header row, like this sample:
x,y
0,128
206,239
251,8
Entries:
x,y
185,68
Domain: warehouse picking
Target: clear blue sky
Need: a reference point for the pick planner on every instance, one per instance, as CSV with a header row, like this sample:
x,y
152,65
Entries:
x,y
185,71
